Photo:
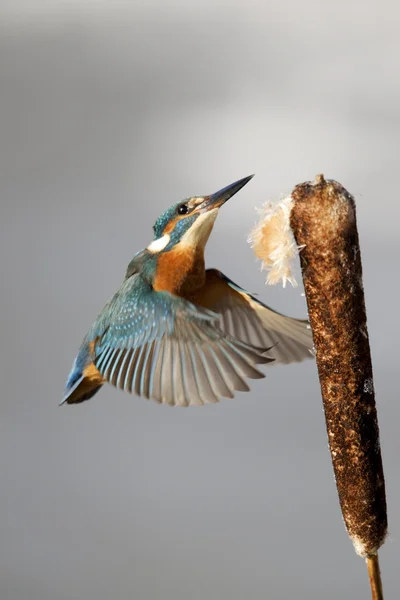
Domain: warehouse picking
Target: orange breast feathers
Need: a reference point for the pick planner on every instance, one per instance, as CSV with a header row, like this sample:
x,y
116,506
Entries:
x,y
181,271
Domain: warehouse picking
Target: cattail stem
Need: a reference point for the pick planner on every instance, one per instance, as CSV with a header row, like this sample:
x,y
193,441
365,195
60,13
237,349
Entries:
x,y
375,580
323,220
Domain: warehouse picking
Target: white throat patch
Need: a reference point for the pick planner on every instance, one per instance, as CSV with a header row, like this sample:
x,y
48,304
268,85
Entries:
x,y
199,232
158,245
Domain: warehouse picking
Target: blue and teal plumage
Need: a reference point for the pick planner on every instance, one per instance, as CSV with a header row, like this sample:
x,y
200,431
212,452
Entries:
x,y
75,388
195,340
180,228
159,346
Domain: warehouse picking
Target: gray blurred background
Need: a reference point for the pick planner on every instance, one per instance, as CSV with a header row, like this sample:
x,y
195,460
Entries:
x,y
109,112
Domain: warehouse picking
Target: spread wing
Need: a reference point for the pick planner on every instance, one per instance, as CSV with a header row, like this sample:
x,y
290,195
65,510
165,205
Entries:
x,y
247,319
163,347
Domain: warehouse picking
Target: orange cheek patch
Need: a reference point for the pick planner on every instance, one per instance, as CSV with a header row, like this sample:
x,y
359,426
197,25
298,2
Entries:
x,y
171,226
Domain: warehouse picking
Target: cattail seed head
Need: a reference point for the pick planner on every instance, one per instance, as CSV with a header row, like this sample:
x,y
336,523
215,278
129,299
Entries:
x,y
323,218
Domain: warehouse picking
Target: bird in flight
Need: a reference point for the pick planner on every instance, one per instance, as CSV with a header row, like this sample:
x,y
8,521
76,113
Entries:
x,y
177,332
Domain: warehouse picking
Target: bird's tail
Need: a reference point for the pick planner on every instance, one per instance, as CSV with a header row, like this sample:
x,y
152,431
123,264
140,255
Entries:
x,y
84,381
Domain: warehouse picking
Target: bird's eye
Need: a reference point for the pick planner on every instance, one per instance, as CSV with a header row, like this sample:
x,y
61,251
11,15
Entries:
x,y
183,209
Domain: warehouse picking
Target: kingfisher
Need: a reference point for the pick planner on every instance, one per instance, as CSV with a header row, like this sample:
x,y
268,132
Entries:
x,y
177,332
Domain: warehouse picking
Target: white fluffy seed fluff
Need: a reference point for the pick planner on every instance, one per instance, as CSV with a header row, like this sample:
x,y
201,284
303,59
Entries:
x,y
273,242
360,546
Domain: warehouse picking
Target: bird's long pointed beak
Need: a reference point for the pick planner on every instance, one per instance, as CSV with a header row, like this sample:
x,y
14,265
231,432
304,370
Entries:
x,y
219,198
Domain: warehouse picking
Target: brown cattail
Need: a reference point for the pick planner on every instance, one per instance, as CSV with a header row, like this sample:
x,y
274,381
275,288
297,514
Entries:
x,y
322,218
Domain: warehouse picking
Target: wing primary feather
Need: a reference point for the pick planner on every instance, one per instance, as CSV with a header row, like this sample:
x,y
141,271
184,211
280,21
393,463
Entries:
x,y
166,374
210,374
123,368
226,321
192,387
102,358
205,390
202,391
108,364
240,366
177,368
209,378
288,349
232,369
178,374
152,368
129,371
116,366
172,376
184,374
256,331
223,388
251,354
238,328
154,365
135,381
157,372
250,337
147,370
185,387
247,365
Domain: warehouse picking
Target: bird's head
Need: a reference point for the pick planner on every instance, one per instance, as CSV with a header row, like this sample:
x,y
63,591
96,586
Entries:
x,y
188,223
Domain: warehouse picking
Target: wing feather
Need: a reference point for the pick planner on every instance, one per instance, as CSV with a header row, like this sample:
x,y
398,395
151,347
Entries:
x,y
116,365
103,357
159,346
206,393
121,373
231,366
156,386
128,383
245,318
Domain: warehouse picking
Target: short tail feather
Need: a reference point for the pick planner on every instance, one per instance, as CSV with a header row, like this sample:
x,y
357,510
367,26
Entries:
x,y
84,380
